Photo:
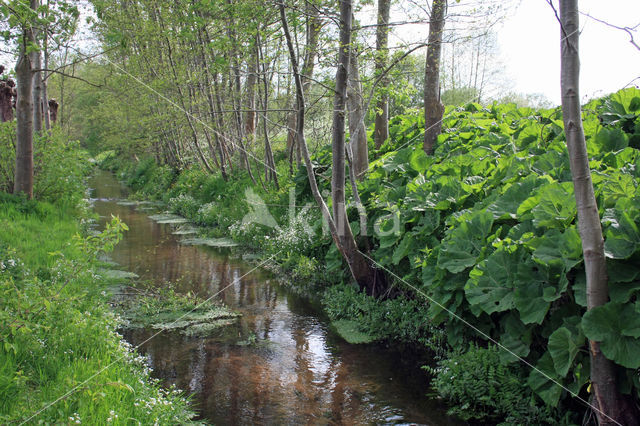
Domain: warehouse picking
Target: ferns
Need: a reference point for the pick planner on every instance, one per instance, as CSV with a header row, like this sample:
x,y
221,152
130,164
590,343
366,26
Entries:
x,y
484,389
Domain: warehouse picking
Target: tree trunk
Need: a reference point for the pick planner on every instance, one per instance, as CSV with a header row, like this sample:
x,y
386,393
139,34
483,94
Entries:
x,y
357,131
45,95
433,108
38,107
367,276
23,180
612,406
381,131
314,24
250,117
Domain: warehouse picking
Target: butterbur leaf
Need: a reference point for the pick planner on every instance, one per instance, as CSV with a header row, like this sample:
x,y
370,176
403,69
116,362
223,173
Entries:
x,y
419,161
609,140
558,248
563,347
529,298
543,380
403,248
622,236
464,243
617,327
506,206
556,207
617,186
491,282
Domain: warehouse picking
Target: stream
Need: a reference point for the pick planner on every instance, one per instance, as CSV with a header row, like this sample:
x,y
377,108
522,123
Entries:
x,y
280,364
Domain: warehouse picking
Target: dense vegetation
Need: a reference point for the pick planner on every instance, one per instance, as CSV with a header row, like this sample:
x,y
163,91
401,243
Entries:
x,y
473,231
58,333
485,235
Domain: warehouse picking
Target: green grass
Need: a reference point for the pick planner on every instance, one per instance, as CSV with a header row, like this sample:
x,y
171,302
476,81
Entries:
x,y
59,350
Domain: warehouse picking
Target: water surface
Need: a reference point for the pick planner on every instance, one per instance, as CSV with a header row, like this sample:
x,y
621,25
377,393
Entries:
x,y
280,364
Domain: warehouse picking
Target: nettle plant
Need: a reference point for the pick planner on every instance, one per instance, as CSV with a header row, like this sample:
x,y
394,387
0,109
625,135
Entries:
x,y
489,233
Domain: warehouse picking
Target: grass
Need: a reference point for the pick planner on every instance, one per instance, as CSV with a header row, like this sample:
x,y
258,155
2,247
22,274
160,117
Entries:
x,y
61,359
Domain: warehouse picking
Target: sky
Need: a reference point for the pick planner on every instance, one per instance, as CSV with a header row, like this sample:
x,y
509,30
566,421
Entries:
x,y
530,48
528,39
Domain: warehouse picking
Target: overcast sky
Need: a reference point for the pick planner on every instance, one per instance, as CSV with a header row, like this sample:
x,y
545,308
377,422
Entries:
x,y
529,44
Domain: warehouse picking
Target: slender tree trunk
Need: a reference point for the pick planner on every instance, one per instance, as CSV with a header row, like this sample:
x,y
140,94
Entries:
x,y
433,108
38,107
23,178
270,164
613,407
381,131
45,95
250,117
367,276
357,131
314,24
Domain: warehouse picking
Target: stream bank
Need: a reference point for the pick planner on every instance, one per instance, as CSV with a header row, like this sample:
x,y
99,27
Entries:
x,y
280,362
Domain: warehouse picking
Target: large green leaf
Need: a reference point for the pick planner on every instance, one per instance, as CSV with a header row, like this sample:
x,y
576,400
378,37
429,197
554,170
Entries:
x,y
491,282
506,206
543,380
465,242
622,235
563,347
556,207
558,248
509,279
617,327
609,140
419,161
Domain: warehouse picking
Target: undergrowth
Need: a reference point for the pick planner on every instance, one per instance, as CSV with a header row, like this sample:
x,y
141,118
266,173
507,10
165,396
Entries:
x,y
61,360
484,231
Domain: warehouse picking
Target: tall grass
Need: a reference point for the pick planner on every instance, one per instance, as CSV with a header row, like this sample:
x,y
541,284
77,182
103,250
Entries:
x,y
61,359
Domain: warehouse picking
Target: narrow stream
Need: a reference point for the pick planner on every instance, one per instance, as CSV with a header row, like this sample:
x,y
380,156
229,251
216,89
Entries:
x,y
280,364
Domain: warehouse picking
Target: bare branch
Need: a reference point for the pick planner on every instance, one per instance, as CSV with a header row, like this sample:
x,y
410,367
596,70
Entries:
x,y
628,30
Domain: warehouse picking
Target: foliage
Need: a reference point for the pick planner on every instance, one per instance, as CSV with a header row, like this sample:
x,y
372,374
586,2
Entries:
x,y
488,233
484,388
485,230
60,166
58,332
397,319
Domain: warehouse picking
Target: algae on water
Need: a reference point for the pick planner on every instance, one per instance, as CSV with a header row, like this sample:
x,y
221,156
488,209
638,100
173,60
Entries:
x,y
168,218
164,309
211,242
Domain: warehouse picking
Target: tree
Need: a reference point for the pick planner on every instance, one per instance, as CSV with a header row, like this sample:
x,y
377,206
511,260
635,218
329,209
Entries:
x,y
28,49
612,406
381,131
366,275
433,108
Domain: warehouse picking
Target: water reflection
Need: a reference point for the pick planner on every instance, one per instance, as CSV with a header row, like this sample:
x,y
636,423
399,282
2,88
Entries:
x,y
279,363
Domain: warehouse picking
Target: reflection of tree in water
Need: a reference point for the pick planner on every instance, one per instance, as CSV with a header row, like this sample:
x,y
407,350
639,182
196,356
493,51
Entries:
x,y
292,373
